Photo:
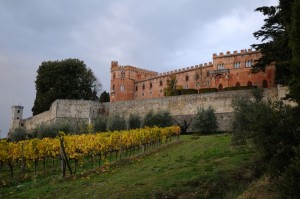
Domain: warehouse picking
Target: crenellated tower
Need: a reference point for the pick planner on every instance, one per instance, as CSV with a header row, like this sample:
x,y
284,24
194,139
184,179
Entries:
x,y
123,80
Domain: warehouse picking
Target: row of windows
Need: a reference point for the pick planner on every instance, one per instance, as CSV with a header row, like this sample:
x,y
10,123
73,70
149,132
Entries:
x,y
248,64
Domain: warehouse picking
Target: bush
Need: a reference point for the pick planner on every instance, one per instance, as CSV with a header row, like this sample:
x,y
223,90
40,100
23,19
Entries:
x,y
205,121
187,91
116,122
160,119
234,88
272,127
208,90
51,130
134,121
18,134
288,184
100,124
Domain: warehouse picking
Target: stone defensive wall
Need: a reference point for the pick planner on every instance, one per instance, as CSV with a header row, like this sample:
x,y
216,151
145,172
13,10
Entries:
x,y
180,107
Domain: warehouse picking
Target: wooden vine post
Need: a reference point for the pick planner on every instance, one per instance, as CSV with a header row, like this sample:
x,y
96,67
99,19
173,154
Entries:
x,y
63,156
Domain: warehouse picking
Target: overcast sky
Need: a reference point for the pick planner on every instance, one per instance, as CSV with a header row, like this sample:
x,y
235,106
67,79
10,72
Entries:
x,y
159,35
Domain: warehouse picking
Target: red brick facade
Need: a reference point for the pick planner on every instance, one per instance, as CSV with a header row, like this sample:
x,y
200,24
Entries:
x,y
226,70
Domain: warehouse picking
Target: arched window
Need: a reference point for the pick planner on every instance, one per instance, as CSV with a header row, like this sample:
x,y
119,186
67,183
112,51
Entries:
x,y
248,63
122,88
220,66
237,65
160,83
122,74
265,84
186,78
237,84
249,83
220,87
197,76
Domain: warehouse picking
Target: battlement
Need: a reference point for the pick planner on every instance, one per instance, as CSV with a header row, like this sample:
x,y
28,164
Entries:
x,y
235,53
115,66
187,69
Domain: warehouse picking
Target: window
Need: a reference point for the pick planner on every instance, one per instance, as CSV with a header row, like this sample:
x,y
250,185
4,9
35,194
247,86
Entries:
x,y
220,87
237,65
248,63
197,76
122,88
136,88
160,83
114,75
249,83
113,87
18,111
122,74
143,86
17,118
143,94
150,85
237,84
186,78
220,66
186,86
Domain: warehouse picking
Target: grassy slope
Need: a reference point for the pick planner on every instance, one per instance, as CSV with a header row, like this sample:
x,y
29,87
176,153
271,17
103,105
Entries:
x,y
177,170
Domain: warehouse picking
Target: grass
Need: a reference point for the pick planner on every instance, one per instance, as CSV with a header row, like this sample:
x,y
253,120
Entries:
x,y
195,167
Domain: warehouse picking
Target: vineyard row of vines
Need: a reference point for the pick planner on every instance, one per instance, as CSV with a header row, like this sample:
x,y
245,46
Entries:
x,y
78,148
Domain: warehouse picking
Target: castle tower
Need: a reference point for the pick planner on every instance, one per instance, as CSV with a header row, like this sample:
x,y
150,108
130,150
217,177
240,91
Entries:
x,y
122,82
16,116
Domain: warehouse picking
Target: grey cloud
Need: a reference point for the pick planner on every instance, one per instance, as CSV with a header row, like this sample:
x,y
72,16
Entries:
x,y
158,35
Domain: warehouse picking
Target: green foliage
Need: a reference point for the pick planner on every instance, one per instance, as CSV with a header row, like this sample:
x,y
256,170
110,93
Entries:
x,y
116,122
104,97
170,90
273,128
66,79
134,121
208,90
237,88
205,121
275,37
187,91
18,134
100,124
288,183
294,43
160,119
51,130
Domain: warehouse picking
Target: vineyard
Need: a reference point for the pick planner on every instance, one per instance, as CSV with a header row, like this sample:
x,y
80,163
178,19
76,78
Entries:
x,y
72,152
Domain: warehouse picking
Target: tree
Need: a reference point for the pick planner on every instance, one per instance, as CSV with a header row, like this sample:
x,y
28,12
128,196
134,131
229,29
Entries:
x,y
294,43
274,34
134,121
170,90
205,121
66,79
104,97
116,122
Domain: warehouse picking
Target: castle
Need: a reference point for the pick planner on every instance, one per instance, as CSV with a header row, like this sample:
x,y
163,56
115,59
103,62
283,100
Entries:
x,y
135,90
226,70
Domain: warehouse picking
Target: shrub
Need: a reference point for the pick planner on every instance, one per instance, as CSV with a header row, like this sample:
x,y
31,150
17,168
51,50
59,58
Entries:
x,y
116,122
160,119
208,90
100,124
134,121
273,127
18,134
205,121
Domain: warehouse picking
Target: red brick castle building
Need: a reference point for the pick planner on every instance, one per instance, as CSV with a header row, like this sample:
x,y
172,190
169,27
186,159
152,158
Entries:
x,y
227,70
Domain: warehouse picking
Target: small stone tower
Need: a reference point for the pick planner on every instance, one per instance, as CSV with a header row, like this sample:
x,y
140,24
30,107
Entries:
x,y
16,116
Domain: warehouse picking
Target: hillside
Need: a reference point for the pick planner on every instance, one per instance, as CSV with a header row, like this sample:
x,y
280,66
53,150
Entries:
x,y
194,167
